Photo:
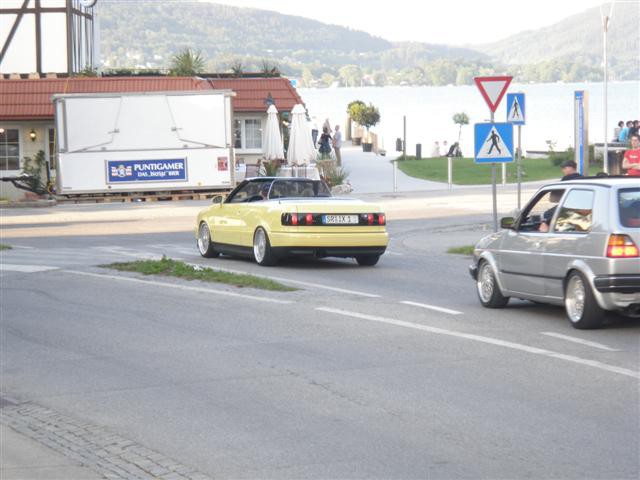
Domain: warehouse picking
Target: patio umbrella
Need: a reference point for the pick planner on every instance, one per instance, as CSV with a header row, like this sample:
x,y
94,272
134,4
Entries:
x,y
272,142
301,149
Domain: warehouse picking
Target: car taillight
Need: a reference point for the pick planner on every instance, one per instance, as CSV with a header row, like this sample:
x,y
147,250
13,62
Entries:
x,y
382,220
297,219
370,218
621,246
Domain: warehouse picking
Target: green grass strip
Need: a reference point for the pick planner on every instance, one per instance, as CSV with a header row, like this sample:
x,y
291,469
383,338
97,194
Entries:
x,y
4,246
466,250
466,172
174,268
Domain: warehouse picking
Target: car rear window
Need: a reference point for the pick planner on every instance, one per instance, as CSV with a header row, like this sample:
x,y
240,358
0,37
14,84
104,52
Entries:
x,y
629,205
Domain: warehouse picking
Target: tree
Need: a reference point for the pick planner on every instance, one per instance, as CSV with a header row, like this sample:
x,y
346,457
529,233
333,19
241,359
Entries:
x,y
368,116
351,75
460,119
186,63
270,69
354,108
237,69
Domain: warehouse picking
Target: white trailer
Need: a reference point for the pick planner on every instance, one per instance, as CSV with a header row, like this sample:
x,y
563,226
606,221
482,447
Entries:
x,y
142,142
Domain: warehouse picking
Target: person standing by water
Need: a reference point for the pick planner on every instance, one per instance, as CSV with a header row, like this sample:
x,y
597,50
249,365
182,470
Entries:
x,y
631,159
337,144
325,144
435,151
617,130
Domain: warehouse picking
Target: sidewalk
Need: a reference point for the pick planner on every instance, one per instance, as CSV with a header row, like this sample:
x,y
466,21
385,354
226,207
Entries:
x,y
372,173
24,458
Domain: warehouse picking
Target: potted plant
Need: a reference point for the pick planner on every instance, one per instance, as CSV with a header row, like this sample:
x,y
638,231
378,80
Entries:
x,y
353,109
369,116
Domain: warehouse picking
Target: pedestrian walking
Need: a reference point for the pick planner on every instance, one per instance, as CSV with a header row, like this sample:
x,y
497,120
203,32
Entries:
x,y
337,144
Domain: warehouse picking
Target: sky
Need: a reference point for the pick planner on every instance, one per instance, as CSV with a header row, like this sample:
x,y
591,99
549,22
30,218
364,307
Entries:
x,y
452,22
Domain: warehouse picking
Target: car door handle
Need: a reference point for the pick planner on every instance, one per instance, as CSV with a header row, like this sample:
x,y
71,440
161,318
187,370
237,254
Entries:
x,y
538,244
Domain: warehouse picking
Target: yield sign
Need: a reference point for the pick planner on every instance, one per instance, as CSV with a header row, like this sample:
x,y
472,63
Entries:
x,y
493,89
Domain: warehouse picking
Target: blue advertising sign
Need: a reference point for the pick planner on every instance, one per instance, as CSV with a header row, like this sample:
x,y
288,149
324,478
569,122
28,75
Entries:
x,y
493,142
580,100
169,170
515,108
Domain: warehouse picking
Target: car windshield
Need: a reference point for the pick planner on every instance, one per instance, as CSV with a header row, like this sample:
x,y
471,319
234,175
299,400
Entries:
x,y
298,188
629,204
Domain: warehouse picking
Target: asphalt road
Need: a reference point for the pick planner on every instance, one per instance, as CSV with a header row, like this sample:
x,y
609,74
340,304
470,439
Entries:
x,y
394,371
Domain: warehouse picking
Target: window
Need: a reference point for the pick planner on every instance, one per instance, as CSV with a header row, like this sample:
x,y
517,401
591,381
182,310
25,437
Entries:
x,y
629,202
537,216
247,133
253,133
53,158
576,212
9,149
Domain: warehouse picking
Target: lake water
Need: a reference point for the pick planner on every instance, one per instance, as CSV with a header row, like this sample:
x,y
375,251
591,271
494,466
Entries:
x,y
429,111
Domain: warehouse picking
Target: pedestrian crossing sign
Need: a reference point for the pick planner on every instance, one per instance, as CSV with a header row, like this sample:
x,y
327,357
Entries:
x,y
515,108
493,142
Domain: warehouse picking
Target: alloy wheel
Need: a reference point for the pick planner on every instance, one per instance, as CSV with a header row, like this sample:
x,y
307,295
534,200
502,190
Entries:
x,y
575,298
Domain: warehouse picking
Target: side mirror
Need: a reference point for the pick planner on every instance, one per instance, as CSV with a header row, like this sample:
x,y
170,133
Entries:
x,y
507,223
218,199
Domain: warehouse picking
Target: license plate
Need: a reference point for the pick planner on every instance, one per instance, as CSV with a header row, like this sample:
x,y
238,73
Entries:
x,y
340,219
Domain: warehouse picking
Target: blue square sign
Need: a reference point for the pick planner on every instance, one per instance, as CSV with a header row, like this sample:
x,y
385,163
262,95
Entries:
x,y
493,142
515,108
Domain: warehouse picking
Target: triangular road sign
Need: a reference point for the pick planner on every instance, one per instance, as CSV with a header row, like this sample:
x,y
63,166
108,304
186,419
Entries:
x,y
493,89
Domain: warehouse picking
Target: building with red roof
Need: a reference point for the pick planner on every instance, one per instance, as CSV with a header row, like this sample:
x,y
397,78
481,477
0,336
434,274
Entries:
x,y
27,114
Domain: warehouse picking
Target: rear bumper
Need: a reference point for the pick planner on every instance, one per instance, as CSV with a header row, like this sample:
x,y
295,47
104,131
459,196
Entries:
x,y
348,241
321,252
617,283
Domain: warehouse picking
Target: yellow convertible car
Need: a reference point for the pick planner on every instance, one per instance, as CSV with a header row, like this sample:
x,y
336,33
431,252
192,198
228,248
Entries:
x,y
269,218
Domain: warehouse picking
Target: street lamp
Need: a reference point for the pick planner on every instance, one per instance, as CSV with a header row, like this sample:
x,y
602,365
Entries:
x,y
605,27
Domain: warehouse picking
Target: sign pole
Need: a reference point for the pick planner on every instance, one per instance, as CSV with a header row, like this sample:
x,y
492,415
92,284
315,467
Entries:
x,y
519,166
494,190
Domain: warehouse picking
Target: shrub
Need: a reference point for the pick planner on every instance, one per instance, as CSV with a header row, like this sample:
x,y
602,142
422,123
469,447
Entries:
x,y
331,173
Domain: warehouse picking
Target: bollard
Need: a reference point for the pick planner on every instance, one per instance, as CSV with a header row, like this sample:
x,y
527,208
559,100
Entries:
x,y
418,151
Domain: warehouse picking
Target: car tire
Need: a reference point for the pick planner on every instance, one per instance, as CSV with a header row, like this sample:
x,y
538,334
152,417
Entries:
x,y
487,287
262,252
367,260
580,304
205,247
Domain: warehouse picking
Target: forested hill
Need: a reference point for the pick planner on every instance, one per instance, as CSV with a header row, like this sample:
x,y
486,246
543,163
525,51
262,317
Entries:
x,y
580,38
143,34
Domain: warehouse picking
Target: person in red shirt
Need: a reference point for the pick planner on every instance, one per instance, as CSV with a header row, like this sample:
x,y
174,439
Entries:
x,y
631,159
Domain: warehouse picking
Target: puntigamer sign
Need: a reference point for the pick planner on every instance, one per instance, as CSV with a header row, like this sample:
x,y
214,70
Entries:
x,y
171,170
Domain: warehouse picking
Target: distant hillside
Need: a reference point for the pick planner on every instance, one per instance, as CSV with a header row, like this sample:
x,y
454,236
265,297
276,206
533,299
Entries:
x,y
154,31
579,38
146,34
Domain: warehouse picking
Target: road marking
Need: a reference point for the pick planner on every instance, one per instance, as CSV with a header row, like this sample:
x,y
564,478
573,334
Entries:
x,y
432,307
288,280
581,341
488,340
26,268
128,252
177,287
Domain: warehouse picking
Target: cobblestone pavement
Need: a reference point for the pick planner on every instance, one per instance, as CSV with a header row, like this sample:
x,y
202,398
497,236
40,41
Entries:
x,y
108,454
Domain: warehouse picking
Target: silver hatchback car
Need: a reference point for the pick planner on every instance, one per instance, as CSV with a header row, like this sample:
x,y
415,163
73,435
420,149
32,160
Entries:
x,y
576,244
